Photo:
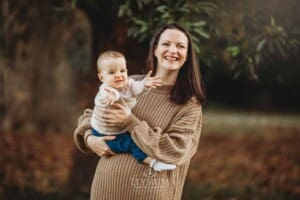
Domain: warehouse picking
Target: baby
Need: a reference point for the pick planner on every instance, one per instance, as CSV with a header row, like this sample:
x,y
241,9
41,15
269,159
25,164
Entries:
x,y
117,87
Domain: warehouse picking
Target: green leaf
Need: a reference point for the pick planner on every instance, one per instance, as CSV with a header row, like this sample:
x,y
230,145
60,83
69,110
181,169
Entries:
x,y
253,75
73,3
272,21
261,45
280,48
197,49
195,39
233,50
199,23
202,33
140,4
183,10
162,8
237,74
257,58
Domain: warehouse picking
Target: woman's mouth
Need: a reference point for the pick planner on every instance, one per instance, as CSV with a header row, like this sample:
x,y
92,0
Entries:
x,y
171,58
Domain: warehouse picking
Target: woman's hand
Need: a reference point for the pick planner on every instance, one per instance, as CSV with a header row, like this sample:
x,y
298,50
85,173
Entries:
x,y
99,146
115,117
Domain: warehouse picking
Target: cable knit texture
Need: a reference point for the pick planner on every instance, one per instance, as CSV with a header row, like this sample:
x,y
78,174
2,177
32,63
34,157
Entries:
x,y
163,130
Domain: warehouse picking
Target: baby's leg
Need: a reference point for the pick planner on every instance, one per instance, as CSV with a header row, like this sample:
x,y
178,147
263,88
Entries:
x,y
143,158
158,165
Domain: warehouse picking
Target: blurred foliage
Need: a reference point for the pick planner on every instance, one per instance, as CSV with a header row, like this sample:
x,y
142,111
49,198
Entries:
x,y
258,46
198,17
240,47
246,48
195,16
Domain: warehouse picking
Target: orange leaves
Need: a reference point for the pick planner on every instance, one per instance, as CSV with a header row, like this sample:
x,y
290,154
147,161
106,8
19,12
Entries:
x,y
39,161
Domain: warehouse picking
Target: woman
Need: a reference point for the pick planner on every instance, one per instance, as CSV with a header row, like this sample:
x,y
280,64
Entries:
x,y
165,124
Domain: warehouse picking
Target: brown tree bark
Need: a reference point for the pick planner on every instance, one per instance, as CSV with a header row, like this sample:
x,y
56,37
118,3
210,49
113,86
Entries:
x,y
37,78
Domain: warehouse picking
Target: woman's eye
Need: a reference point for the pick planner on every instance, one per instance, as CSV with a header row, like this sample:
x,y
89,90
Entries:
x,y
182,47
165,44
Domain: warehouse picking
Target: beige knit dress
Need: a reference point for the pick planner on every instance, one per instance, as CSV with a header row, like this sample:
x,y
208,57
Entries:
x,y
163,130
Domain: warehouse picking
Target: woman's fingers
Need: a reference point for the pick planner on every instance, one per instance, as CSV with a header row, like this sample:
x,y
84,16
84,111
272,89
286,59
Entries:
x,y
109,123
108,113
123,111
100,147
115,116
106,110
120,106
109,137
109,120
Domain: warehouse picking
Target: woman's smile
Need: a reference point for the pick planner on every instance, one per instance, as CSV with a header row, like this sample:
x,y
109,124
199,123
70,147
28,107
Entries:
x,y
171,58
171,50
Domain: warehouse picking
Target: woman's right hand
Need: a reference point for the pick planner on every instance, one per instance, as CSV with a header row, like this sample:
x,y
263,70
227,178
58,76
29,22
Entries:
x,y
99,146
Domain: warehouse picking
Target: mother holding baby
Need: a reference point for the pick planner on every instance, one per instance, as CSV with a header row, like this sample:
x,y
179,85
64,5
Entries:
x,y
165,124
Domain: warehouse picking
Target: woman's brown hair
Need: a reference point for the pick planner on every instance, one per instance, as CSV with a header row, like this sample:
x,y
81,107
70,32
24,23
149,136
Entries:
x,y
189,82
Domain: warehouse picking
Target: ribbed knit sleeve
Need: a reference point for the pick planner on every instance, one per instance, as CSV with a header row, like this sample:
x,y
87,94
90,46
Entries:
x,y
83,130
177,143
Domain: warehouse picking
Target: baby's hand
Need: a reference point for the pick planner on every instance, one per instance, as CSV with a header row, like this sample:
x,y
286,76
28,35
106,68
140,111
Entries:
x,y
152,82
110,97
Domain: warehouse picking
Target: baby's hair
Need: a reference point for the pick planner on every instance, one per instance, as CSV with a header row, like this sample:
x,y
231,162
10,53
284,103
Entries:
x,y
107,55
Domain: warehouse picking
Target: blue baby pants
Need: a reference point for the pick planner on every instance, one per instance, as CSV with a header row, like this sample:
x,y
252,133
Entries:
x,y
123,143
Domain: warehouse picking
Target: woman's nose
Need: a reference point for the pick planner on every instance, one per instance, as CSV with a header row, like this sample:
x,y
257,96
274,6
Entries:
x,y
172,48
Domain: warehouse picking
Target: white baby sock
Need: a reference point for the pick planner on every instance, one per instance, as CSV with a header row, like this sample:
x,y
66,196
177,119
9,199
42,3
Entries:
x,y
160,166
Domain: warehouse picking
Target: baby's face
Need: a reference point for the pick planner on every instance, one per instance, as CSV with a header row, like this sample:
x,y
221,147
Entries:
x,y
114,72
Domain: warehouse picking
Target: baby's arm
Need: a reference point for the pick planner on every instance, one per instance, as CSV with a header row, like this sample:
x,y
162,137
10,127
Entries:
x,y
152,82
137,87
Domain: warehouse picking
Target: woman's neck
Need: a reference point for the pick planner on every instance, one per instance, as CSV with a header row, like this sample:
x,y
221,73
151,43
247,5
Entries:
x,y
168,77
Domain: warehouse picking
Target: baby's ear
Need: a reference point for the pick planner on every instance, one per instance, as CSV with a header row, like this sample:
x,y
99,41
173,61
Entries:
x,y
100,76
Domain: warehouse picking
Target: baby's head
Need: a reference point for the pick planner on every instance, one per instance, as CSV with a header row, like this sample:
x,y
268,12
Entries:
x,y
111,66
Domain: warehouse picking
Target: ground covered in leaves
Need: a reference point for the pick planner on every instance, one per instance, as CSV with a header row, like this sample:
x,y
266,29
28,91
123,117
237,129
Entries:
x,y
263,165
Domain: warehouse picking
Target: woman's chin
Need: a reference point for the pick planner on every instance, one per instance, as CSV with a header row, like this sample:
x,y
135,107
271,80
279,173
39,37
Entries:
x,y
173,68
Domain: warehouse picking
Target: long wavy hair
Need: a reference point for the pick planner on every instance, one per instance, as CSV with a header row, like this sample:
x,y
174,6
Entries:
x,y
189,82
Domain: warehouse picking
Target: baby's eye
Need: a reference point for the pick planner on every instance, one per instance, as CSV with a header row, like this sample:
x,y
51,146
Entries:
x,y
111,72
123,70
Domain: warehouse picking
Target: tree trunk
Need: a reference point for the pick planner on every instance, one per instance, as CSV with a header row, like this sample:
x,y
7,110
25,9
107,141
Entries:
x,y
40,44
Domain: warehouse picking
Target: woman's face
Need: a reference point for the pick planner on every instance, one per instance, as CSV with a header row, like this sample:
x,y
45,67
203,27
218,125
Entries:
x,y
171,50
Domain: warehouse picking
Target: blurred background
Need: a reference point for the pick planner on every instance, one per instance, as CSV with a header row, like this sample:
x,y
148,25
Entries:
x,y
249,57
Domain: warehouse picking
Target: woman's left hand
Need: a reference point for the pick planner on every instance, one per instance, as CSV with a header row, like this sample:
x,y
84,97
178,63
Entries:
x,y
115,117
